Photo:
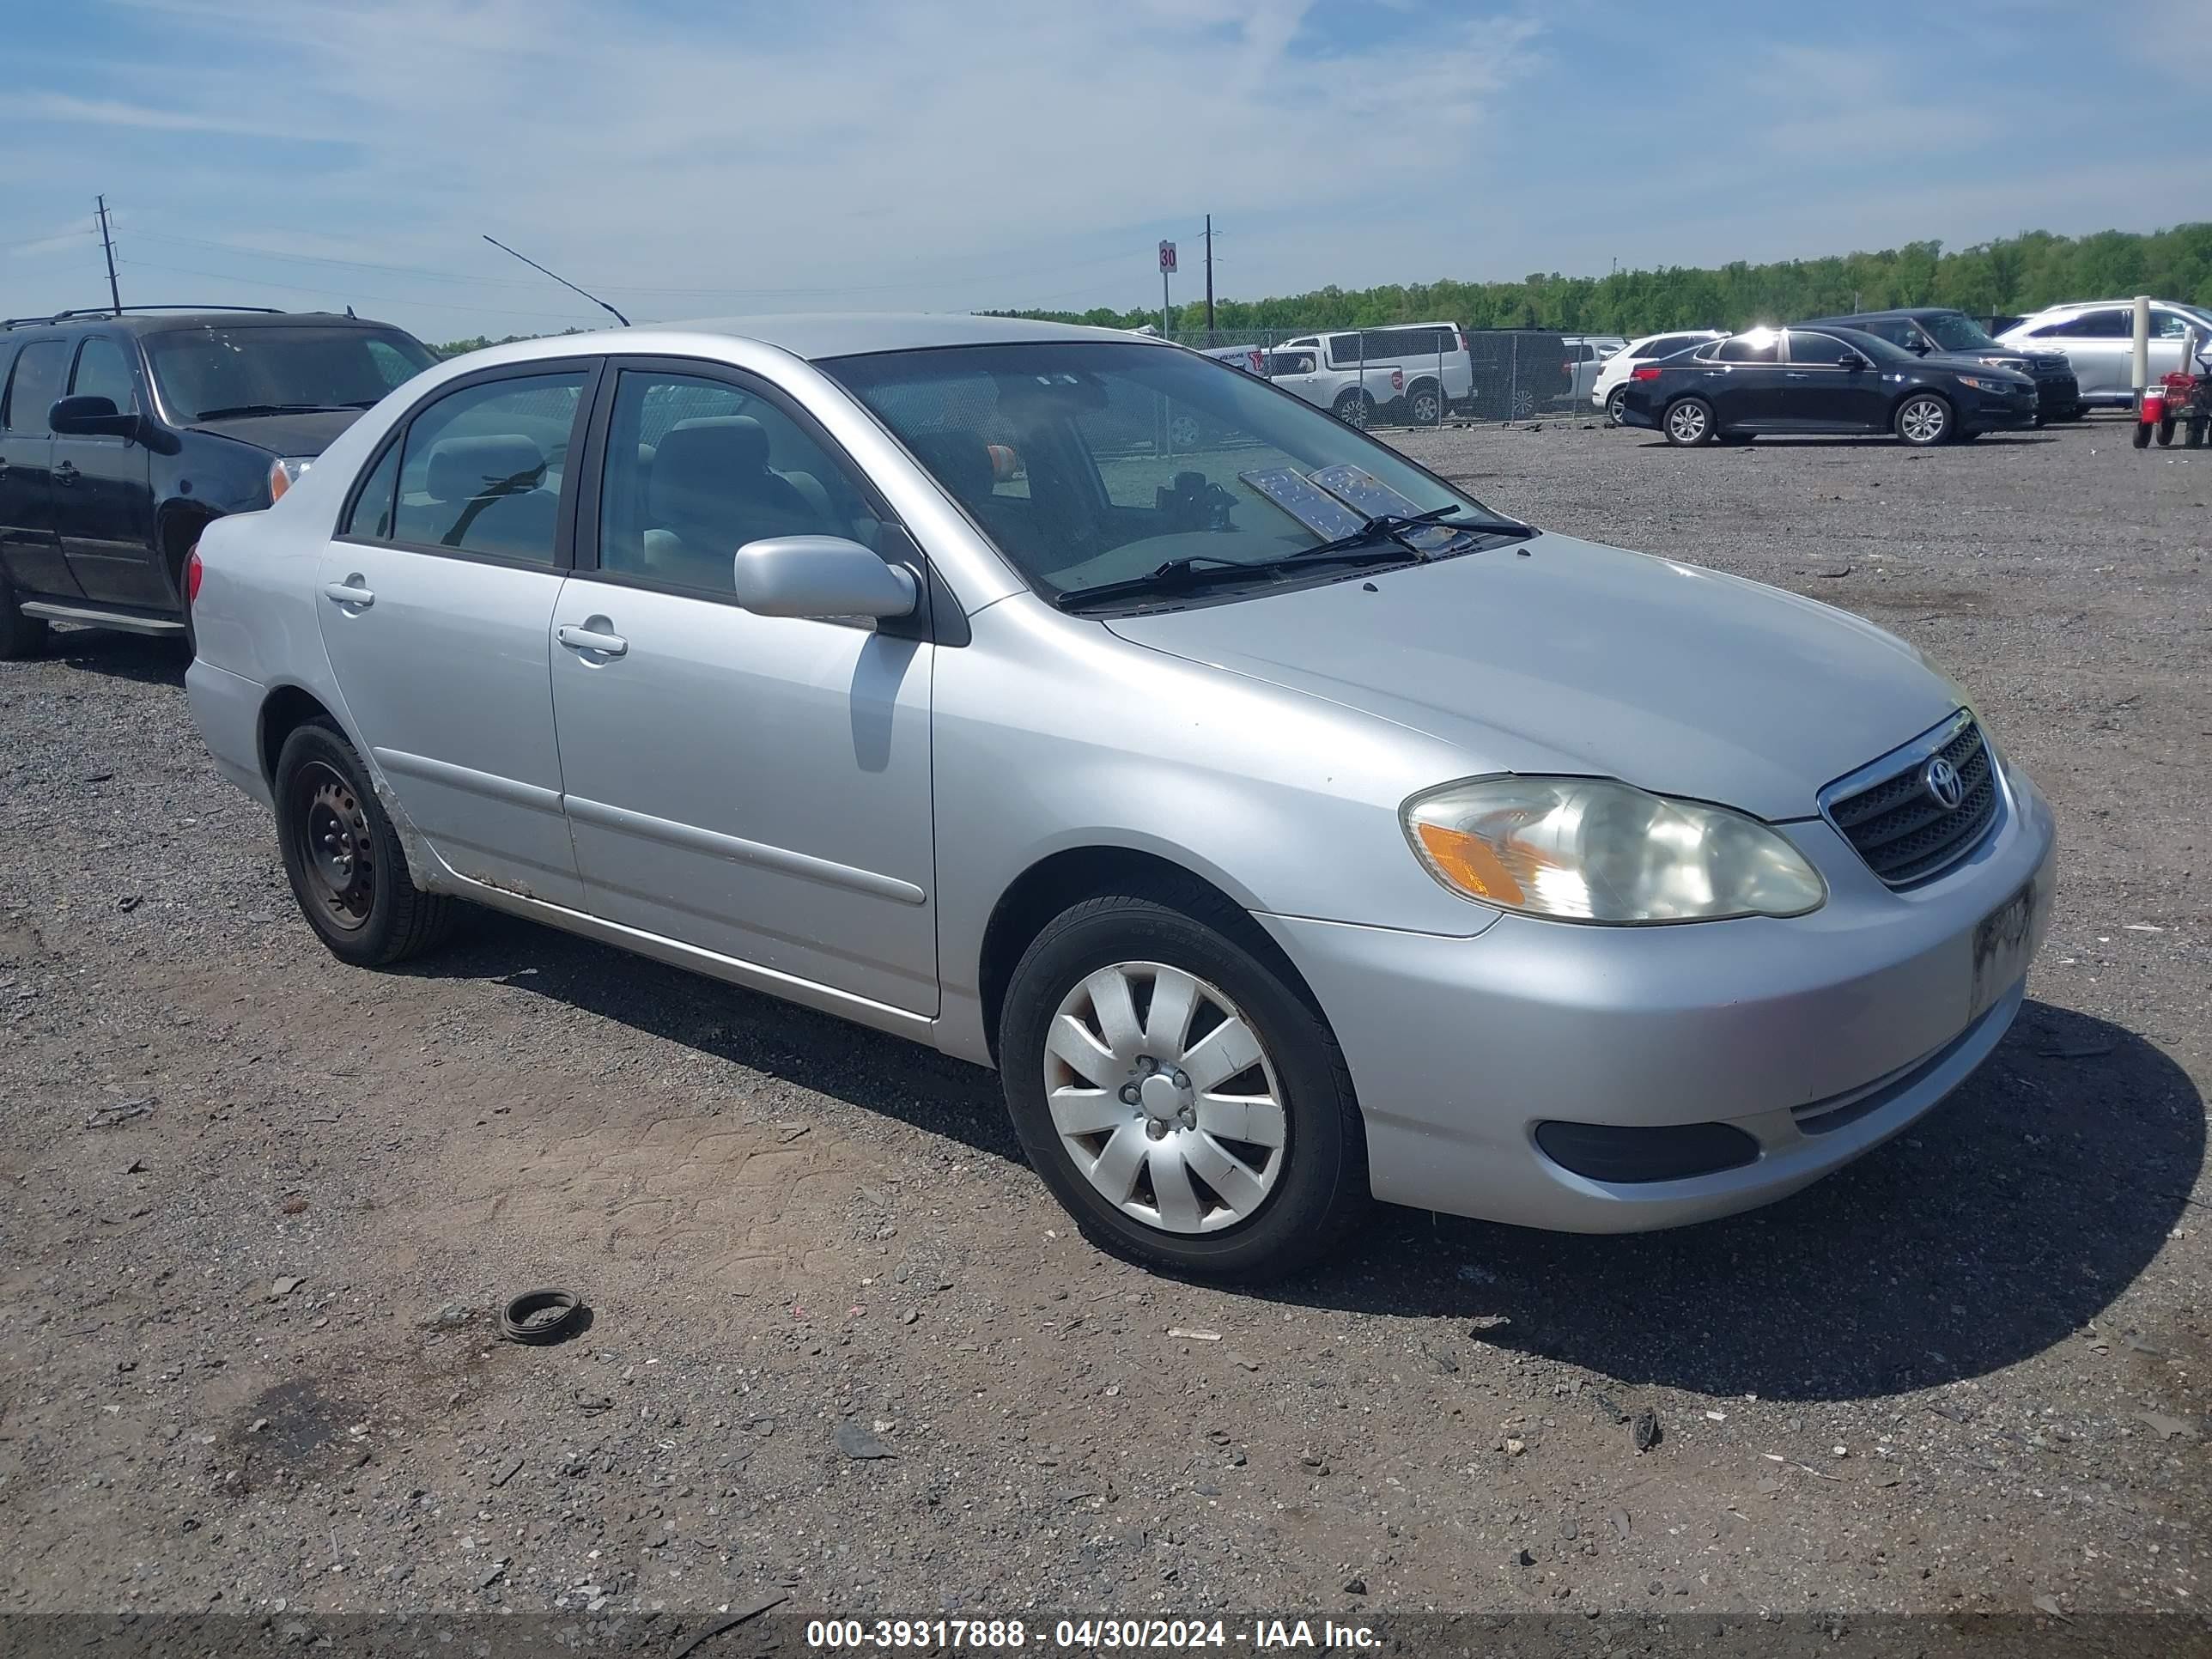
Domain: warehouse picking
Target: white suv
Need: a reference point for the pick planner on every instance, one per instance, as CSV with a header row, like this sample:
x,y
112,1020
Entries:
x,y
1423,369
2097,338
1611,383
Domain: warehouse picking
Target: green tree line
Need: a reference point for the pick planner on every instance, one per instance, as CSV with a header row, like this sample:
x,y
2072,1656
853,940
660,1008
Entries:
x,y
2017,274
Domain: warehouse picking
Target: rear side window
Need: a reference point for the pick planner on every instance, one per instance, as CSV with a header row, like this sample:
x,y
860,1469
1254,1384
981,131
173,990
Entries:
x,y
36,385
103,370
1898,331
2114,324
1761,347
480,469
371,518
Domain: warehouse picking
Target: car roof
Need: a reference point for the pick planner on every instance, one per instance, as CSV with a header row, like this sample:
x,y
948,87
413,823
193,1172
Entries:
x,y
1915,312
161,319
819,334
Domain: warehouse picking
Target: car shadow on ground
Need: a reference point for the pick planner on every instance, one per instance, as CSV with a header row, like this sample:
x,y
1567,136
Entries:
x,y
136,657
2000,1225
1862,440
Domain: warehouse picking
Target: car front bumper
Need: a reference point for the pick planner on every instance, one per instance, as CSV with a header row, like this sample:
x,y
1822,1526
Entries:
x,y
1986,413
1818,1037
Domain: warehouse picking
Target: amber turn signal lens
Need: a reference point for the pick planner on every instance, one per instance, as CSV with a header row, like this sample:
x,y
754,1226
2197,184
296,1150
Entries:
x,y
1471,864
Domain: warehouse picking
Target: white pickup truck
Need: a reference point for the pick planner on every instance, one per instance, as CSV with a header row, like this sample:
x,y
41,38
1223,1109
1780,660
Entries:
x,y
1352,393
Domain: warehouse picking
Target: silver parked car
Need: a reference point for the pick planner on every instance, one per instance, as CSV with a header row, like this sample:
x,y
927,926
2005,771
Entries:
x,y
1283,825
2097,338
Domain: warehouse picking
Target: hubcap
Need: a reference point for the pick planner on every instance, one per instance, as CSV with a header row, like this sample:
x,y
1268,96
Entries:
x,y
1424,410
331,835
1354,411
1924,420
1687,421
1165,1097
1614,404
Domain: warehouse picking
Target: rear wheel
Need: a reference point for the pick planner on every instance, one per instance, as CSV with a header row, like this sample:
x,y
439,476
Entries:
x,y
343,856
1924,420
2165,431
20,636
1424,403
1354,408
1188,1106
1689,423
1615,401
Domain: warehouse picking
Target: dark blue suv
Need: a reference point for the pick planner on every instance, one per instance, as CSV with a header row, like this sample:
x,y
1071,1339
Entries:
x,y
123,434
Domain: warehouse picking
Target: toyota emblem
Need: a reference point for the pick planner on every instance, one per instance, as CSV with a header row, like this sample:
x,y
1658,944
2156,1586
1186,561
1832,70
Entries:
x,y
1943,784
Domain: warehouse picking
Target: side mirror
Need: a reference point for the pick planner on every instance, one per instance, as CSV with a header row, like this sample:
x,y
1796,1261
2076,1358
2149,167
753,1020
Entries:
x,y
90,417
1852,360
821,576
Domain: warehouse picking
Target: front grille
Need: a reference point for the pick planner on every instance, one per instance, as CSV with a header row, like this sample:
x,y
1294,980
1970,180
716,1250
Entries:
x,y
1899,827
2053,365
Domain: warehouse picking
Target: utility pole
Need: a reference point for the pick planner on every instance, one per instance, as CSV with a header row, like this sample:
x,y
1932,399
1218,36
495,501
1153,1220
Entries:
x,y
1210,340
107,242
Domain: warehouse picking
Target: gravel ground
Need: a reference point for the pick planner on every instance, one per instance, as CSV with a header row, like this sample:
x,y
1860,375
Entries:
x,y
255,1206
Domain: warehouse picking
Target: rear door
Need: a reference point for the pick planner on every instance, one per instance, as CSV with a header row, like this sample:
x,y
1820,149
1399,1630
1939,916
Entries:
x,y
103,497
436,600
2100,344
758,786
29,543
1742,380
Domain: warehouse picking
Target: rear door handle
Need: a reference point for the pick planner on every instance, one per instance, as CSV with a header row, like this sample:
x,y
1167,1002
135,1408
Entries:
x,y
349,593
592,639
65,473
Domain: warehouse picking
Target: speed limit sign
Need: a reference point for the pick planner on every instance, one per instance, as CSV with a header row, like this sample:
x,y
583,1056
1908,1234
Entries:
x,y
1167,258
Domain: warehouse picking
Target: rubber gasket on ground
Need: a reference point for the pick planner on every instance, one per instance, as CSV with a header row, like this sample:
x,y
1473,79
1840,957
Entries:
x,y
540,1316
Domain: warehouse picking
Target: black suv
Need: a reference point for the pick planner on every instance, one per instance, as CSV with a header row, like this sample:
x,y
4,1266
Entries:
x,y
122,433
1938,331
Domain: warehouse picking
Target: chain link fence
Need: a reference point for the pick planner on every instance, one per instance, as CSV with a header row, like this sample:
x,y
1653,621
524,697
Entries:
x,y
1414,374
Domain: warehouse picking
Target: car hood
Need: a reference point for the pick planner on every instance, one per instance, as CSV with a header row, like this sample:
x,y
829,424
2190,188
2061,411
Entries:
x,y
1559,655
284,434
1967,362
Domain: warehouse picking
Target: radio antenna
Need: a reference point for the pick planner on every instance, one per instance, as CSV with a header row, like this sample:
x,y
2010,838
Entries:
x,y
563,281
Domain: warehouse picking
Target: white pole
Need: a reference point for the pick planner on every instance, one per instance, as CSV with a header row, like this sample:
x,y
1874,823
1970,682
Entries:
x,y
2143,346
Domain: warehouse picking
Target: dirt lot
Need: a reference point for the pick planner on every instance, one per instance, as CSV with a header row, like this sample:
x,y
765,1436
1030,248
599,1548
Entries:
x,y
256,1204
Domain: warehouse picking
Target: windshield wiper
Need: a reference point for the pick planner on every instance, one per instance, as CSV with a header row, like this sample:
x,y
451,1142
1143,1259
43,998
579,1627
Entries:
x,y
1395,524
1181,576
234,410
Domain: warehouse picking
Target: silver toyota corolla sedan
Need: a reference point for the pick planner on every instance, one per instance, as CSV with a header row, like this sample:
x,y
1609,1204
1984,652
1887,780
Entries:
x,y
1285,825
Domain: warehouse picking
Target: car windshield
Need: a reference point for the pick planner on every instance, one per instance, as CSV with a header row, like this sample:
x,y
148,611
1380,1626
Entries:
x,y
1956,333
1097,464
204,372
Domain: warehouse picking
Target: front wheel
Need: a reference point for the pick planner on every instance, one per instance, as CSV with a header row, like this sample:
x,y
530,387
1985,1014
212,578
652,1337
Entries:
x,y
1924,420
1354,408
1689,423
1182,1101
344,858
2166,432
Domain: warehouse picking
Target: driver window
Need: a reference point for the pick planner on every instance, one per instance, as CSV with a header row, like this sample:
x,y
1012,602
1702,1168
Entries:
x,y
103,371
696,468
1820,350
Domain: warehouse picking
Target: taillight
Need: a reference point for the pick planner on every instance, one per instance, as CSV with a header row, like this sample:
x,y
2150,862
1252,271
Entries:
x,y
1462,333
192,575
1647,373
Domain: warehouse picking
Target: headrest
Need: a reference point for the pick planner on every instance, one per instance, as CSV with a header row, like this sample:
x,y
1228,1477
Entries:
x,y
961,460
743,441
501,464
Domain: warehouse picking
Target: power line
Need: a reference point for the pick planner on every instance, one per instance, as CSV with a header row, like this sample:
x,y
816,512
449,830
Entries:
x,y
108,246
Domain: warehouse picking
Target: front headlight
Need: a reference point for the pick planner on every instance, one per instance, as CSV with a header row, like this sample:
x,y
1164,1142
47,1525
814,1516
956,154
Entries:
x,y
284,473
1984,383
1591,849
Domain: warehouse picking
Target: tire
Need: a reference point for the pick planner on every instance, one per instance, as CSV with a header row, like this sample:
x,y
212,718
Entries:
x,y
1354,408
1923,420
344,859
1615,401
1688,422
2142,435
2194,437
1424,403
1286,1204
21,637
2166,432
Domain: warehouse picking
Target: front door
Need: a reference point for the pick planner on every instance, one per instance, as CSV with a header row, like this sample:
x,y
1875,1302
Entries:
x,y
30,546
1821,391
103,496
436,600
758,786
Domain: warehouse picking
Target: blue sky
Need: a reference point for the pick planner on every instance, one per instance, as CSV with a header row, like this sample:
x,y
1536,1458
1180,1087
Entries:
x,y
701,159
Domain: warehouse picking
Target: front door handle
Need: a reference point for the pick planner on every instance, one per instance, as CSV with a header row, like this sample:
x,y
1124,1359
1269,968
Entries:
x,y
595,640
65,473
349,593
